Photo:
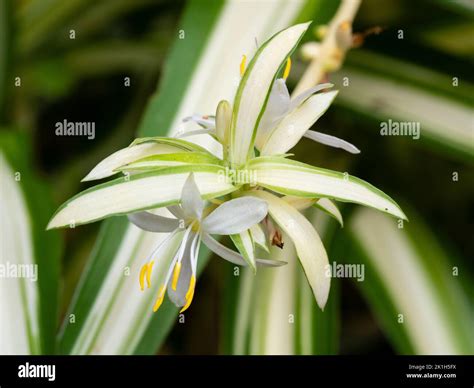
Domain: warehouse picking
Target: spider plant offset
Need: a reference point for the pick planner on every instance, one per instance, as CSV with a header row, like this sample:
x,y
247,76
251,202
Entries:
x,y
255,132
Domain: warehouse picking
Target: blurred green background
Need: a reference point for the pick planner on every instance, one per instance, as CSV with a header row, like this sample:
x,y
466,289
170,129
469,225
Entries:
x,y
82,79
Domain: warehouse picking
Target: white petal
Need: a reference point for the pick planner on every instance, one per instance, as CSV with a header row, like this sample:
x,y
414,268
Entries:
x,y
300,98
235,216
153,223
252,94
208,123
277,106
292,128
108,166
177,211
259,237
191,201
194,132
178,296
310,249
232,256
332,141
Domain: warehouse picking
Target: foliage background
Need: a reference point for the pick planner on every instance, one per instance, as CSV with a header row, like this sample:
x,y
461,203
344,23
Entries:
x,y
82,80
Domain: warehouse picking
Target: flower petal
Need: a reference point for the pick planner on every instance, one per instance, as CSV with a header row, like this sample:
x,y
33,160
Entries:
x,y
302,97
207,122
310,249
277,106
294,178
292,128
244,243
191,201
194,132
178,296
138,192
153,223
232,256
252,94
332,141
235,216
259,237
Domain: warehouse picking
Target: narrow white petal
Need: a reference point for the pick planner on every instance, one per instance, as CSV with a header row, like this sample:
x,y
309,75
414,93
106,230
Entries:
x,y
259,237
177,211
207,122
299,203
191,201
310,249
300,98
232,256
194,132
277,106
178,296
153,223
235,216
292,128
332,141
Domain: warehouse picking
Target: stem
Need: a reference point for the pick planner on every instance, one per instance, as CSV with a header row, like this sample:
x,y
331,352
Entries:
x,y
329,50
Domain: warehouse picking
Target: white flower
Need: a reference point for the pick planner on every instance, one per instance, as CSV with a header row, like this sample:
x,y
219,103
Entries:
x,y
261,118
232,217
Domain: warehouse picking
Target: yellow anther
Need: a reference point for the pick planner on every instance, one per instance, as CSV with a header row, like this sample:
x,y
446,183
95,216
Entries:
x,y
148,273
176,272
286,72
189,294
159,299
242,65
143,271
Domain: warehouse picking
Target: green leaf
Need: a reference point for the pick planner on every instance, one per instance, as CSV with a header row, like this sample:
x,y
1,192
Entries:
x,y
254,88
329,207
139,192
29,307
294,178
140,148
425,101
169,160
244,243
6,24
409,278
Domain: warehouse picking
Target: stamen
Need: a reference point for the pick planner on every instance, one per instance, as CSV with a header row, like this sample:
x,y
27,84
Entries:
x,y
148,273
176,272
286,72
242,65
189,294
159,300
143,271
